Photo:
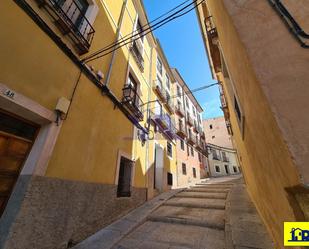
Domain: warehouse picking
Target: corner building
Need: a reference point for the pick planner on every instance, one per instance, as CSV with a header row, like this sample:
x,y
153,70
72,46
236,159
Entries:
x,y
191,144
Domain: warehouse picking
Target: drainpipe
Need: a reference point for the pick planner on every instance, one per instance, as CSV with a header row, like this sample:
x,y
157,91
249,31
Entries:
x,y
119,25
148,122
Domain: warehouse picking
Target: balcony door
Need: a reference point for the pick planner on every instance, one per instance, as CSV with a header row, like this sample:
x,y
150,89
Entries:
x,y
75,10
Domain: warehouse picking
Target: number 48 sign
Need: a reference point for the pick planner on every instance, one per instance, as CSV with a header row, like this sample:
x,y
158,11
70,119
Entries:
x,y
9,93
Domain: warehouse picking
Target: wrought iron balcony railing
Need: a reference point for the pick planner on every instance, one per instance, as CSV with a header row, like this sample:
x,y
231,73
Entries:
x,y
169,104
191,139
165,124
136,50
181,131
158,88
71,20
180,110
189,120
133,102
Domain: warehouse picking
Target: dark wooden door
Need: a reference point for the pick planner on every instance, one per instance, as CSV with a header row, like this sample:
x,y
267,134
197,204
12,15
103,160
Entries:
x,y
16,138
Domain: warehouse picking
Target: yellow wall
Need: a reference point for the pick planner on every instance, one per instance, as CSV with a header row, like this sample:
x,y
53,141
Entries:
x,y
266,162
94,132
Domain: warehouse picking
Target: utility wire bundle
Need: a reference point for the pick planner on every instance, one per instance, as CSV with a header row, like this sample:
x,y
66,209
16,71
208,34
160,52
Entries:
x,y
176,12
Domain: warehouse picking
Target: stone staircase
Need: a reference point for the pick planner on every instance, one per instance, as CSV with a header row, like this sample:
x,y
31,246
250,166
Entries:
x,y
193,218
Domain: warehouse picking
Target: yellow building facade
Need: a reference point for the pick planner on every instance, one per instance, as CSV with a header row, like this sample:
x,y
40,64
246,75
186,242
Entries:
x,y
80,136
256,68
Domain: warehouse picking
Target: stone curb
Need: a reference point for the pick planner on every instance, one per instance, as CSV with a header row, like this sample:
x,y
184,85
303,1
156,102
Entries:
x,y
107,237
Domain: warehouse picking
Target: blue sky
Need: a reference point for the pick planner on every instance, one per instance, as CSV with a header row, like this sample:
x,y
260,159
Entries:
x,y
183,46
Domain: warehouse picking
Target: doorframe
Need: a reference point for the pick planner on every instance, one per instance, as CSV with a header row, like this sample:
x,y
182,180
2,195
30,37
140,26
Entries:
x,y
154,160
129,157
42,148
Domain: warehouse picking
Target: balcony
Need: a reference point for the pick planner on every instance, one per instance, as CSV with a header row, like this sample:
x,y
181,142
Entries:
x,y
170,105
212,37
189,120
195,127
181,131
179,110
200,145
191,139
158,88
133,102
165,124
137,52
202,134
70,19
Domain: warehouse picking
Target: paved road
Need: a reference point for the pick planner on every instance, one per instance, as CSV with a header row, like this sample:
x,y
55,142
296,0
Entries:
x,y
194,218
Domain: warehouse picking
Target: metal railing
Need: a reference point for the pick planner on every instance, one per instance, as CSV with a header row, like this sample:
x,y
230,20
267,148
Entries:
x,y
180,110
137,55
70,18
133,101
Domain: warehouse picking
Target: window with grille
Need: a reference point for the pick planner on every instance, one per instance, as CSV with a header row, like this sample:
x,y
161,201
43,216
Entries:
x,y
159,66
169,149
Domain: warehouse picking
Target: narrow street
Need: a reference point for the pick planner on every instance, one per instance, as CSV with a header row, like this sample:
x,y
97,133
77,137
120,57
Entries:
x,y
213,214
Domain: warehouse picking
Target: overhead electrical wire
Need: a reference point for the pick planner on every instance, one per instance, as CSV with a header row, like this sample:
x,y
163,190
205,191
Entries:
x,y
138,30
178,95
141,34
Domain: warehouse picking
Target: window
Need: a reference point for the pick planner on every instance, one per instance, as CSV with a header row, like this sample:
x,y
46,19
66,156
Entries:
x,y
237,109
217,169
210,126
192,151
187,102
138,46
124,178
214,154
235,169
168,83
188,151
224,157
199,157
213,137
169,179
184,169
169,149
194,172
159,66
239,114
178,91
182,144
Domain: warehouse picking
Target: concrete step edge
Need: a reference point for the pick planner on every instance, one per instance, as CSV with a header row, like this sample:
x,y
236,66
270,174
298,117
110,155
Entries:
x,y
202,197
192,222
207,190
220,207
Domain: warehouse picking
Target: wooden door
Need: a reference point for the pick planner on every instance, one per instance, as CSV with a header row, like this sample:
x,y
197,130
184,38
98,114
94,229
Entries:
x,y
16,138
